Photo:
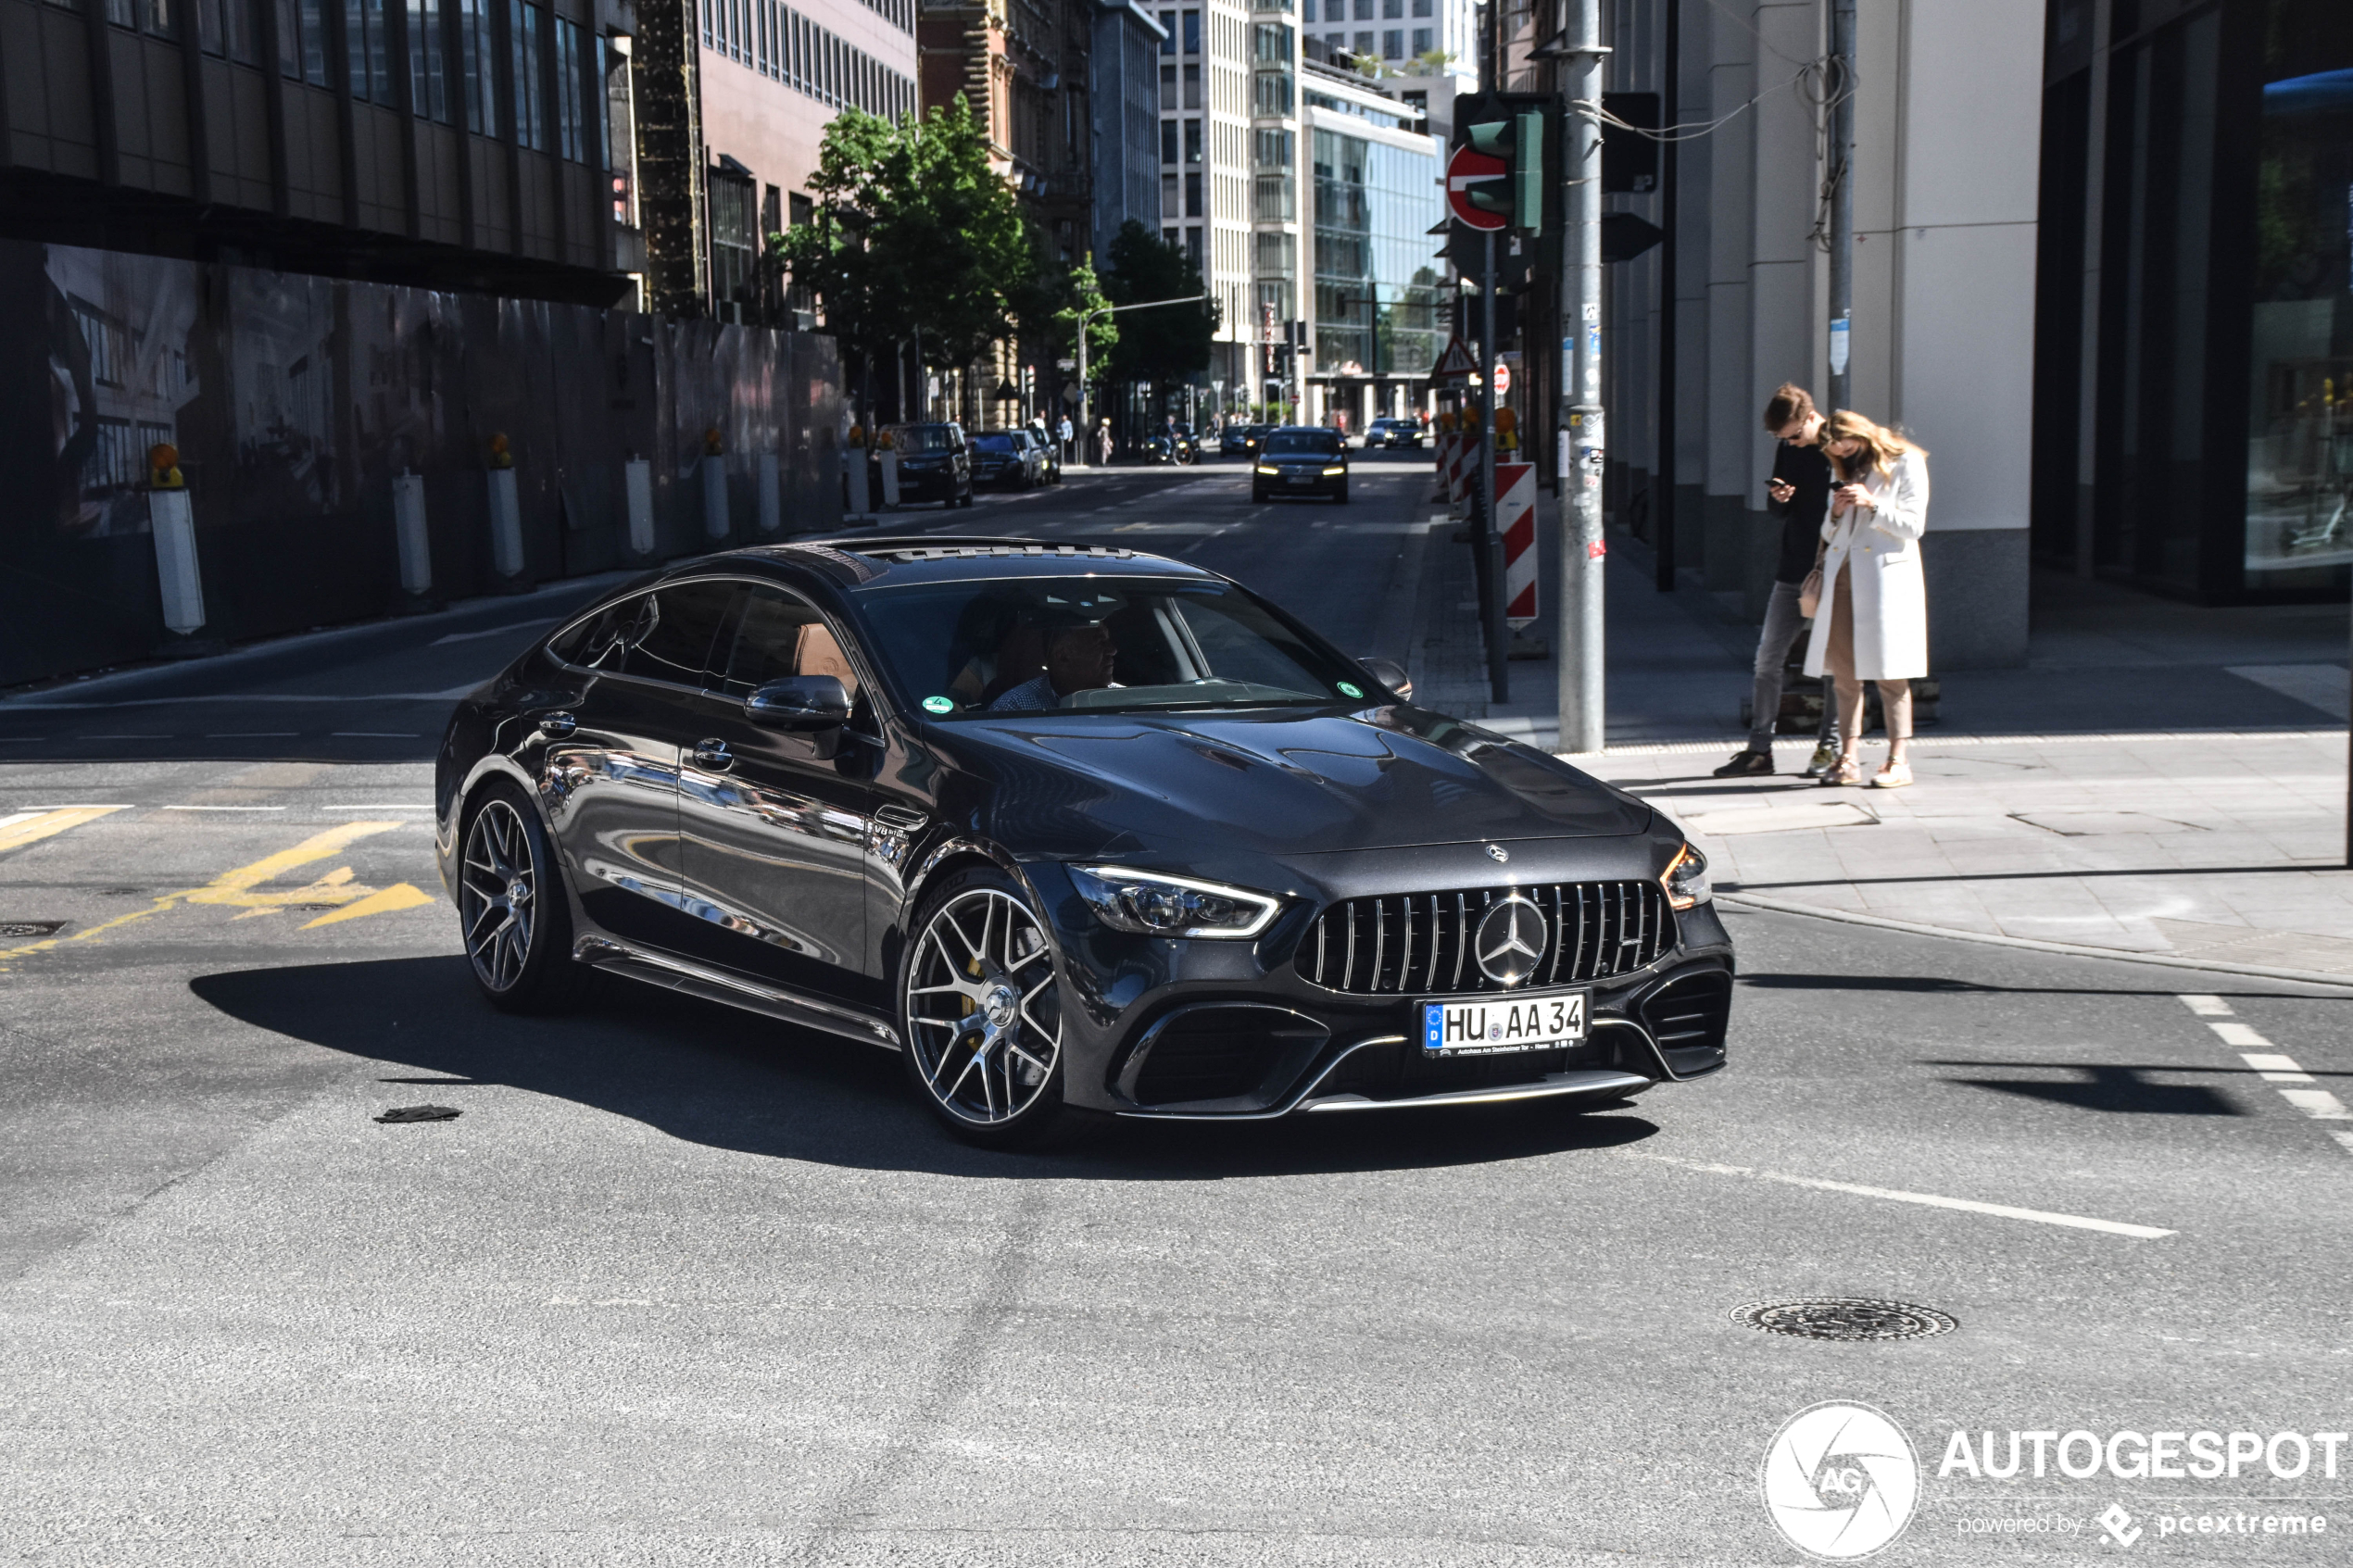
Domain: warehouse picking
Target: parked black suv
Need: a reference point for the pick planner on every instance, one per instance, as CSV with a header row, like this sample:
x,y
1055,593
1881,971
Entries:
x,y
934,464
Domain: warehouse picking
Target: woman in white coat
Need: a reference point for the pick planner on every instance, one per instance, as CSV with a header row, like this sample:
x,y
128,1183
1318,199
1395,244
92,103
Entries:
x,y
1872,623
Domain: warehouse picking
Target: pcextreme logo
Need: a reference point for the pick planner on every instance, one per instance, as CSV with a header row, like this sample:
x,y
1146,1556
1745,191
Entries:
x,y
1840,1481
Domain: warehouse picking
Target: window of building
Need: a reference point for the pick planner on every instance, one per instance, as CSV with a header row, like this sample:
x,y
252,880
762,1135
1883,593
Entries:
x,y
1192,32
1392,44
1192,87
1364,10
1168,86
1421,7
1168,141
225,28
531,123
1271,149
1168,197
1192,141
427,92
1421,42
302,41
1168,27
1192,244
1192,195
1273,204
474,66
1271,43
365,50
1272,92
734,242
1391,9
572,124
621,136
1364,44
1307,10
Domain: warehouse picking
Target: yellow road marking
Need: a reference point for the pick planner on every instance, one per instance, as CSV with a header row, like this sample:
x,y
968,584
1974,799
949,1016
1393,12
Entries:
x,y
29,827
399,895
238,886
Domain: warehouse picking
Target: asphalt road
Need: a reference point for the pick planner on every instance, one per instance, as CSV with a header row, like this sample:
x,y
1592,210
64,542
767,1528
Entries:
x,y
683,1286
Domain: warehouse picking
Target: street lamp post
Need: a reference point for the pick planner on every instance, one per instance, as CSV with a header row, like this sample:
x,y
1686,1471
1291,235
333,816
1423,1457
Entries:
x,y
1085,422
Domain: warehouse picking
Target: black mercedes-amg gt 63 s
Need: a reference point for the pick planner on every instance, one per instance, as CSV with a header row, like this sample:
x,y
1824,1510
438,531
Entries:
x,y
1069,828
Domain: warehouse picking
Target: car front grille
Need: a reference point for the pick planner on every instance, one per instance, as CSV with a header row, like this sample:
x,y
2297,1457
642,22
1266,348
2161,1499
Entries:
x,y
1401,944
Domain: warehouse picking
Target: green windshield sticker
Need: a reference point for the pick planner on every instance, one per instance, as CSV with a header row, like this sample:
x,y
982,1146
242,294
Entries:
x,y
940,705
1346,689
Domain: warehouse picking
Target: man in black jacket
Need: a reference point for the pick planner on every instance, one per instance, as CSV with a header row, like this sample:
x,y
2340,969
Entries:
x,y
1799,494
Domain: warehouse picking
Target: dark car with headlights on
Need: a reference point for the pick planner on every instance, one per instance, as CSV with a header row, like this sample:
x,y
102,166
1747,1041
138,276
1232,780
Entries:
x,y
934,463
1300,460
1006,457
1240,441
1069,828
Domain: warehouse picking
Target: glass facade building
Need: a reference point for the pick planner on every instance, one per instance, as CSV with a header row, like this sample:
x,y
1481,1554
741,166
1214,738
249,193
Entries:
x,y
2193,376
1378,287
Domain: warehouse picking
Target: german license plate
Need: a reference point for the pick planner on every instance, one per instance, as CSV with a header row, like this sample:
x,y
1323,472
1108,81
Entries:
x,y
1298,479
1537,1021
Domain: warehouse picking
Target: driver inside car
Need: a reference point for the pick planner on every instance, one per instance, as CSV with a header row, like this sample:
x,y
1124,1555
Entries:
x,y
1078,659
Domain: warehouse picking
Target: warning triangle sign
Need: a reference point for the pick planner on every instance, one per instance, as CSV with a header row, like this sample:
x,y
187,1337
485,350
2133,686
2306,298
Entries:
x,y
1456,364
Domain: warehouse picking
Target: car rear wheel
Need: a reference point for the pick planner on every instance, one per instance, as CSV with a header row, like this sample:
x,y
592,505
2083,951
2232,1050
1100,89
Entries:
x,y
512,913
980,1008
963,500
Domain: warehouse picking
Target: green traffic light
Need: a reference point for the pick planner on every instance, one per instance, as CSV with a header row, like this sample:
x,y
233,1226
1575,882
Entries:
x,y
1518,192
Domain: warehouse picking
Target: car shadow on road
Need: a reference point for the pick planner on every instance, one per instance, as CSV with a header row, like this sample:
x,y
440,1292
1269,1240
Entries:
x,y
731,1080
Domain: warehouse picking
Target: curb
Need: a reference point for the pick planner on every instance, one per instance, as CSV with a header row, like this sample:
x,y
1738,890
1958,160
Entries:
x,y
2068,949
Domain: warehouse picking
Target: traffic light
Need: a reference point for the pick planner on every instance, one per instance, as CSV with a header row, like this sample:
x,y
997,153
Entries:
x,y
1519,193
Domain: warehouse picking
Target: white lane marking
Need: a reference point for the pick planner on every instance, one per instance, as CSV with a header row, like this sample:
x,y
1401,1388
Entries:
x,y
224,808
375,735
494,630
385,806
2000,1210
2319,1104
20,828
2275,1068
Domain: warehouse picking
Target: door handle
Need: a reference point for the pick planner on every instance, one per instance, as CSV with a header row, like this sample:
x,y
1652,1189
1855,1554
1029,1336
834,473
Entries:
x,y
899,817
557,725
714,755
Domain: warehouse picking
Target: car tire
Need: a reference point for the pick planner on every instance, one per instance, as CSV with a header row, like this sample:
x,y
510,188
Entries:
x,y
979,988
513,917
963,500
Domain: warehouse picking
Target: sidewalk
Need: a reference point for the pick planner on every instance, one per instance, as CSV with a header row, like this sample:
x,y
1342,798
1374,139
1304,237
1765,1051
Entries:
x,y
2159,781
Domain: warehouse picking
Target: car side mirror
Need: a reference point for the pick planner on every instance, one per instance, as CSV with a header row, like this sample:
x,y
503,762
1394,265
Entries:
x,y
800,703
1391,673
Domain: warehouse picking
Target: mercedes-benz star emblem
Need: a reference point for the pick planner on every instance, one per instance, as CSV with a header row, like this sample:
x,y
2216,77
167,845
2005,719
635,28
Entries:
x,y
1498,854
1511,940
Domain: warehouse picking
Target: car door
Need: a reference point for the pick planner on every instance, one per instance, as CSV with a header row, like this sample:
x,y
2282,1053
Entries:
x,y
775,824
609,769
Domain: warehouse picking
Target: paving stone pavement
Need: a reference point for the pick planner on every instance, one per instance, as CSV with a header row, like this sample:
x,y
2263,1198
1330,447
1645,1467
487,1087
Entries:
x,y
2160,780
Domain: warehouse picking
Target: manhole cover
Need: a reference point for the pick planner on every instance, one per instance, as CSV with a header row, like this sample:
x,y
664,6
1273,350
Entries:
x,y
420,1113
31,927
1845,1318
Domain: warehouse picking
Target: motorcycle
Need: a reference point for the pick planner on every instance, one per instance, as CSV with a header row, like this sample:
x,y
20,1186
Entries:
x,y
1165,447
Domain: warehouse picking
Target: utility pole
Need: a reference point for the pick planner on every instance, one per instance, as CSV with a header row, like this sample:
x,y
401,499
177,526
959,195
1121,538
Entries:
x,y
1670,111
1583,725
1490,542
1085,432
1841,176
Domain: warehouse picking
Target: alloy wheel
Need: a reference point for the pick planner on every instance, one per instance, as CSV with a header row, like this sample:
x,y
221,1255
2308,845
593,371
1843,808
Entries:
x,y
498,895
983,1009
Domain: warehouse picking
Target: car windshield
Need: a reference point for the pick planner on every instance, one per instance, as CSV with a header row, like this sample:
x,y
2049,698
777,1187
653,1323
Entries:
x,y
994,443
975,648
926,438
1302,442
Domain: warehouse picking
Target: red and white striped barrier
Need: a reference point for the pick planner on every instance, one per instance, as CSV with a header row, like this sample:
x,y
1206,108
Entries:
x,y
1515,513
1443,449
1462,478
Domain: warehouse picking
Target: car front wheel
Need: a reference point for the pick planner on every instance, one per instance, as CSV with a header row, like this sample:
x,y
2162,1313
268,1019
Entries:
x,y
512,913
980,1007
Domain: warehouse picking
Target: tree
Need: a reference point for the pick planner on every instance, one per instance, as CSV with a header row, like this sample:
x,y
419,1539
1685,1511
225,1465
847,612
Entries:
x,y
1086,296
1162,347
916,237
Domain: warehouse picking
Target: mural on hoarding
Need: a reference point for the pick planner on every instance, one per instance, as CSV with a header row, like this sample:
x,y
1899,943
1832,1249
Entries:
x,y
297,402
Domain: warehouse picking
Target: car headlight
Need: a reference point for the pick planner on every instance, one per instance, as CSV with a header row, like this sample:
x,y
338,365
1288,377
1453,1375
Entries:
x,y
1153,904
1266,468
1328,472
1686,879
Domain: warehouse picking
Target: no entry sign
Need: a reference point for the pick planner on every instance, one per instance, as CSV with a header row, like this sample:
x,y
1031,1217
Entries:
x,y
1466,168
